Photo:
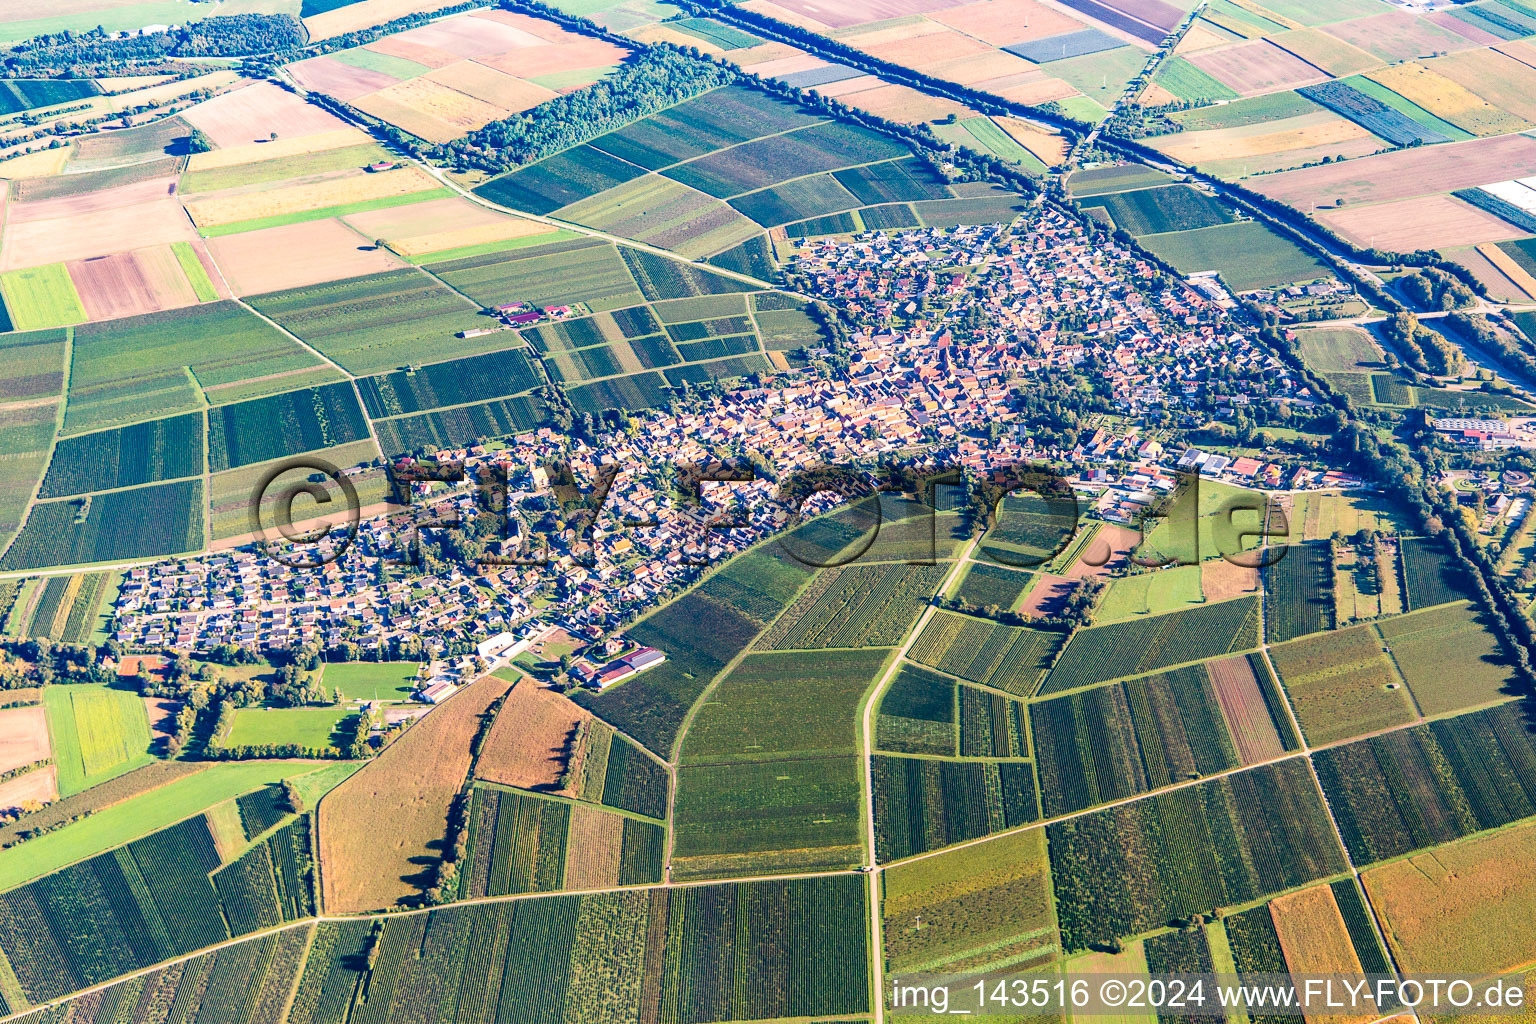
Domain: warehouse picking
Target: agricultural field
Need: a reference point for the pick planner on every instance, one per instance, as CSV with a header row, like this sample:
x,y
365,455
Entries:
x,y
1115,741
1460,907
1137,646
923,804
1008,658
381,321
855,606
1431,783
1227,841
1342,684
986,907
377,829
163,363
97,734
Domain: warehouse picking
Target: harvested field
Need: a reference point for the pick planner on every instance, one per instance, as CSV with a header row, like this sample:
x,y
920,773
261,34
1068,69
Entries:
x,y
1424,222
335,78
428,110
296,199
296,255
1399,35
276,149
527,745
1501,75
251,113
1446,99
81,229
1256,67
353,17
1463,907
379,830
1404,173
1220,579
1315,939
23,737
130,283
1320,128
40,786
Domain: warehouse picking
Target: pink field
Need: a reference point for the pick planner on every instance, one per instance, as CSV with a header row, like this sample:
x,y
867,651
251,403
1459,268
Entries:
x,y
1427,222
40,786
1257,67
1005,22
396,46
847,13
296,255
1243,708
332,77
1398,35
1404,173
30,243
252,113
131,283
23,737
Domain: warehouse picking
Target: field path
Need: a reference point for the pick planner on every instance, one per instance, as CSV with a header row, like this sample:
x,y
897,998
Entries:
x,y
867,746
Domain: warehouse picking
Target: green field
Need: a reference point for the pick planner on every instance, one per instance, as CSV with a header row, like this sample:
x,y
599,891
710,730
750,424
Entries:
x,y
98,733
308,727
152,365
1248,255
143,814
40,297
372,680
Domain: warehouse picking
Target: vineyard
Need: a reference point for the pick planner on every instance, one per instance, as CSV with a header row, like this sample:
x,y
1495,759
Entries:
x,y
516,843
146,902
1299,592
1429,575
1009,658
977,908
1133,867
924,804
1145,645
992,725
1432,783
855,606
917,714
1115,741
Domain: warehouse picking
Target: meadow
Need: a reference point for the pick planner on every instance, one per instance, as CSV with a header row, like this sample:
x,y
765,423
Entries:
x,y
1431,783
1133,867
153,365
1009,658
1137,646
263,429
1115,741
379,322
923,804
142,453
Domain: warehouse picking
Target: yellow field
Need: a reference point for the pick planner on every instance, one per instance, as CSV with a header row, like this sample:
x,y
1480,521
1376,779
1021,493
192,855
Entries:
x,y
420,245
294,199
1049,149
1510,269
36,165
1319,128
1446,99
277,149
1465,907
